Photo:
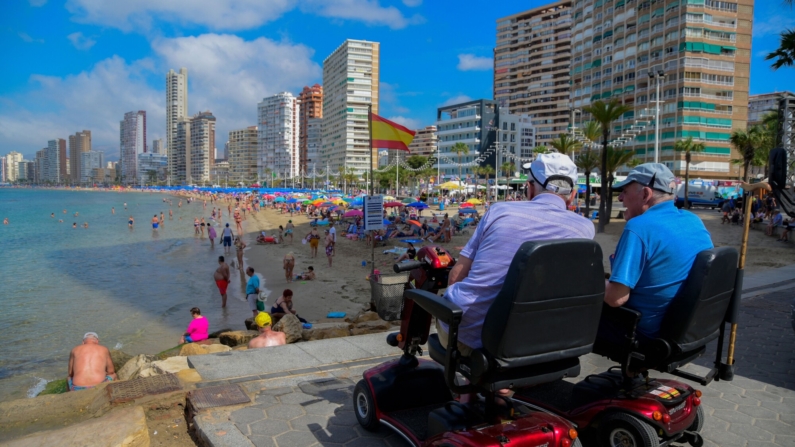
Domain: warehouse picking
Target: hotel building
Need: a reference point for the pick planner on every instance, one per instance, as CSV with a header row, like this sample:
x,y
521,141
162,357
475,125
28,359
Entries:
x,y
241,152
277,136
132,142
310,103
78,143
176,111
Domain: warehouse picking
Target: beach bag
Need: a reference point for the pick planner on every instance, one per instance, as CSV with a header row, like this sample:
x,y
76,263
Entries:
x,y
261,300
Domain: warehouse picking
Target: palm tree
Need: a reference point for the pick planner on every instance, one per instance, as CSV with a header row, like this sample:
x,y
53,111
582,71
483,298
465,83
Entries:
x,y
587,161
486,171
747,143
565,144
460,148
605,114
615,159
688,146
540,150
785,54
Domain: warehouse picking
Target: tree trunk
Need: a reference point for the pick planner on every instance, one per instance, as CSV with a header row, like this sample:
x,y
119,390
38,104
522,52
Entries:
x,y
588,194
687,178
746,165
609,192
602,202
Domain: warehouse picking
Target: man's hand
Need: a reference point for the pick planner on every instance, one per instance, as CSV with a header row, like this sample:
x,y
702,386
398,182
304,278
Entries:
x,y
616,294
460,271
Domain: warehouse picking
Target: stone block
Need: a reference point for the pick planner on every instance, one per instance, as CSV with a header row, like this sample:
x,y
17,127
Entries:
x,y
171,365
367,316
322,331
291,326
237,338
134,366
201,349
370,327
119,358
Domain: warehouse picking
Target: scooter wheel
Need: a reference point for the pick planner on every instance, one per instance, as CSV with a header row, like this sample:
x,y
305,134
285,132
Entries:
x,y
698,422
624,430
364,407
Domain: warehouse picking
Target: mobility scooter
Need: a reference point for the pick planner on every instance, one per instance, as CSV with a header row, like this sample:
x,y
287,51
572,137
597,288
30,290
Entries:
x,y
623,406
534,333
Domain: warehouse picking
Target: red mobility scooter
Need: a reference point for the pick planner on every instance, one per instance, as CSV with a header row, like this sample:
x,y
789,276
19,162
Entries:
x,y
533,334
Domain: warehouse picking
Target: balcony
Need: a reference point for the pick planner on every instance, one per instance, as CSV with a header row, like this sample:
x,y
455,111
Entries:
x,y
457,119
458,130
472,140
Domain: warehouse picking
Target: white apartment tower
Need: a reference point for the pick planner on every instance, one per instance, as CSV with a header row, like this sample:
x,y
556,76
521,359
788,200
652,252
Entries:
x,y
202,146
176,110
242,154
157,146
132,142
350,85
277,136
11,165
52,171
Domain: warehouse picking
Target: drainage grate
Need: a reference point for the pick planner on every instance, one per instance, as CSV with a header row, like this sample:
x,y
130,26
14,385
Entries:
x,y
145,386
217,396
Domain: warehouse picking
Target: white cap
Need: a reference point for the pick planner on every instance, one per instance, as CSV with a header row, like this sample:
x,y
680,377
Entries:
x,y
553,166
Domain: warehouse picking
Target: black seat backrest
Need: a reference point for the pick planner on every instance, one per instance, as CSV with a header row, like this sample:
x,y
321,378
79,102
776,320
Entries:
x,y
549,306
695,314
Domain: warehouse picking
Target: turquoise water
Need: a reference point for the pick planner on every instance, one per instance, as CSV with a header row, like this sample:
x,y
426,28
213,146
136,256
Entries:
x,y
134,288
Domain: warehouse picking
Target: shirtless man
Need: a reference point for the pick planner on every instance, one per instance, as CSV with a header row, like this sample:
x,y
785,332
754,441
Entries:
x,y
89,364
221,277
266,337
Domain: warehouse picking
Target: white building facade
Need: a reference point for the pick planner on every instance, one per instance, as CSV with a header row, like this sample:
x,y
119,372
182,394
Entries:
x,y
242,155
277,136
11,165
132,136
176,110
88,162
350,86
152,167
52,171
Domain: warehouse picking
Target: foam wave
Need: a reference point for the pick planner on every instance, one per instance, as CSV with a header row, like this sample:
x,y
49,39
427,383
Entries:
x,y
38,387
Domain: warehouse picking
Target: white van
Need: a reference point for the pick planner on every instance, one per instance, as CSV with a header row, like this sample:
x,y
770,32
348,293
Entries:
x,y
705,193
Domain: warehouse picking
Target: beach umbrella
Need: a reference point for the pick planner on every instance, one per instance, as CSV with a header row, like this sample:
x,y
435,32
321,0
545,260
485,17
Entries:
x,y
269,196
392,204
317,202
348,199
353,213
408,200
279,199
467,211
450,185
389,198
306,202
326,204
415,222
466,205
338,201
292,200
387,222
418,205
474,201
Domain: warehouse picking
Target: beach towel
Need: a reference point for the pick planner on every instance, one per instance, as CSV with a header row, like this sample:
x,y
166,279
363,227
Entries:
x,y
336,315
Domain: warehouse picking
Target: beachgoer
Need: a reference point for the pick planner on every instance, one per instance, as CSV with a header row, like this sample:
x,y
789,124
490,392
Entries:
x,y
411,253
289,230
333,232
280,238
252,290
267,337
5,221
288,263
240,246
202,225
238,221
775,221
130,222
726,208
212,235
170,214
308,275
221,277
227,237
479,274
89,364
112,210
655,252
74,224
329,246
789,225
314,240
155,222
198,328
162,218
195,226
284,306
52,215
125,206
85,225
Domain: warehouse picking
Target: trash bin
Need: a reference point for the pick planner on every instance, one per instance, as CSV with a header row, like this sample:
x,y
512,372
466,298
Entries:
x,y
386,293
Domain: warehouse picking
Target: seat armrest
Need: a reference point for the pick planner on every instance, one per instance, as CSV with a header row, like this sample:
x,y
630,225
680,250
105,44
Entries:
x,y
445,311
622,317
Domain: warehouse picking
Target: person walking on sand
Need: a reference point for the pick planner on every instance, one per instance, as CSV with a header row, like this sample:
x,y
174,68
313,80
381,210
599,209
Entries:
x,y
333,233
289,264
289,230
267,337
329,247
240,245
89,364
197,329
221,277
212,235
252,290
227,238
314,240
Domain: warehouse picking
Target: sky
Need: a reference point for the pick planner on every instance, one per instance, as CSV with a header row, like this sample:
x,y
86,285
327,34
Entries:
x,y
81,64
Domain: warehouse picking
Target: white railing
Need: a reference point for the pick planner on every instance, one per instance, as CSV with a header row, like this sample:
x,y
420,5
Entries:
x,y
719,112
708,96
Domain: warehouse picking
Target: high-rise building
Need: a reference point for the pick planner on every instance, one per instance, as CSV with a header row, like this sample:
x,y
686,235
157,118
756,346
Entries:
x,y
531,67
31,174
179,153
152,167
202,146
424,142
52,165
698,52
241,153
310,107
41,166
3,170
350,86
63,161
78,143
473,123
760,105
22,171
219,174
132,138
314,139
176,110
157,146
88,162
11,165
277,137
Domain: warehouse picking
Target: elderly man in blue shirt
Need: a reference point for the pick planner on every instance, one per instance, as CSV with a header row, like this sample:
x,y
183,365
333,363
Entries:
x,y
478,275
656,250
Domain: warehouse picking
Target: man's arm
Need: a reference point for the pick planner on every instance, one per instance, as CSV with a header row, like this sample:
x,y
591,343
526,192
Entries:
x,y
616,294
71,372
109,368
460,271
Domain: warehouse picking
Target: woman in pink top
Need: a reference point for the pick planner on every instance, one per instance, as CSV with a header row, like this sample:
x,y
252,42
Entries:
x,y
197,329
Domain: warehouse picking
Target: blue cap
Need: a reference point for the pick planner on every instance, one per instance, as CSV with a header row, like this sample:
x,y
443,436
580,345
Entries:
x,y
653,175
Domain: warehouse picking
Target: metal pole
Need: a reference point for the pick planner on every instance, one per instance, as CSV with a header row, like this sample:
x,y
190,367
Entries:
x,y
370,130
657,120
397,175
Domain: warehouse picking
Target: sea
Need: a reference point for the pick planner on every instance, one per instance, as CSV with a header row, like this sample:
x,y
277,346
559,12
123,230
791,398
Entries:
x,y
134,287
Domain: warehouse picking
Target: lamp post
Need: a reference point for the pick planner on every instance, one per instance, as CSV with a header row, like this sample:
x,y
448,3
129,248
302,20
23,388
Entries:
x,y
658,77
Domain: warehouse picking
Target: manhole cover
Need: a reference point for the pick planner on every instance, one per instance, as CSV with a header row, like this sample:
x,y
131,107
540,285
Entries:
x,y
217,396
145,386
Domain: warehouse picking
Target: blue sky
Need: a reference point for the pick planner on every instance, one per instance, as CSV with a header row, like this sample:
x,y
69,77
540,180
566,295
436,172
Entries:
x,y
81,64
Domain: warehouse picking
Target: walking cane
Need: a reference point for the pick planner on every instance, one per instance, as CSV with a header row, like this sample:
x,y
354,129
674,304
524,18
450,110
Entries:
x,y
726,370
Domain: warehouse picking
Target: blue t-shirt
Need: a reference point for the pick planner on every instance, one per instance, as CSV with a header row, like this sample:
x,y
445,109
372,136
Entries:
x,y
653,258
252,285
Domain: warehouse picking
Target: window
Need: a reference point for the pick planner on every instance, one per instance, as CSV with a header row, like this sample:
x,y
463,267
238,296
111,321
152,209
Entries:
x,y
513,126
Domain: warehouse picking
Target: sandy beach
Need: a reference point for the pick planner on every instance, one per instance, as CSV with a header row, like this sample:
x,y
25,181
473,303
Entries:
x,y
344,288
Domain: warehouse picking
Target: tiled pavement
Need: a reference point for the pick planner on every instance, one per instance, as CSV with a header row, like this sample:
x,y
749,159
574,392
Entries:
x,y
314,407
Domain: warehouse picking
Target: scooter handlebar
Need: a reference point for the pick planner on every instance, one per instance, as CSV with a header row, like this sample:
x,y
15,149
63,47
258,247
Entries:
x,y
406,266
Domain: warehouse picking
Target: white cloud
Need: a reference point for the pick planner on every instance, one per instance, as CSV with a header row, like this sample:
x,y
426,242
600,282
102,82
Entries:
x,y
467,62
411,123
80,41
227,14
458,99
226,74
774,25
37,3
412,3
26,37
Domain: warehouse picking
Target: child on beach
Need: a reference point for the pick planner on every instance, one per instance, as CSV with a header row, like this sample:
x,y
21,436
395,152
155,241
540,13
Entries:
x,y
307,275
288,264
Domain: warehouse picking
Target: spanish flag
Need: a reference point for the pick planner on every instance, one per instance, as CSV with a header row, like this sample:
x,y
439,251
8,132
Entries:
x,y
389,135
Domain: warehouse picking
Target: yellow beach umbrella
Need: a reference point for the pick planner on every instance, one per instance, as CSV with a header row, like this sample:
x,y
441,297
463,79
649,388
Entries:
x,y
388,198
450,185
474,201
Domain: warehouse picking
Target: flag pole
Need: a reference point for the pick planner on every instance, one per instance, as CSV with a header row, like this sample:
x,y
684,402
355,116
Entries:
x,y
372,189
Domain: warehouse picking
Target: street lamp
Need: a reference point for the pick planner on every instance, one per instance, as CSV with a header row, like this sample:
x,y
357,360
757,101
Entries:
x,y
659,76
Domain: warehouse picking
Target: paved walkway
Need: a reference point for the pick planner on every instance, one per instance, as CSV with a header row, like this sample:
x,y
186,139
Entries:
x,y
302,394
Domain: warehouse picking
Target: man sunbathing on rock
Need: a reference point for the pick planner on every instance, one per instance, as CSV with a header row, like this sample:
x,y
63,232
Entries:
x,y
266,337
89,364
